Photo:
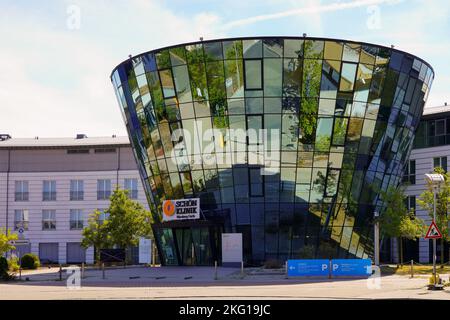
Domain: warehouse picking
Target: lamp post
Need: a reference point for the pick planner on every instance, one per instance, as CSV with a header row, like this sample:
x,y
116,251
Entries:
x,y
376,238
435,179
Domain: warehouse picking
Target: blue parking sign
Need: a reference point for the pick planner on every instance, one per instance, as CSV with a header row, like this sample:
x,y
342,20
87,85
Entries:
x,y
351,267
308,268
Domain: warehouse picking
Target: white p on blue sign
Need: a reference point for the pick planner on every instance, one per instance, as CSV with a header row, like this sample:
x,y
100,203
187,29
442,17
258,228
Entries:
x,y
351,267
308,268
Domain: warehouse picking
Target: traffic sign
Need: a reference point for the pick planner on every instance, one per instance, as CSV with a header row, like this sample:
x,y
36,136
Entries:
x,y
433,232
351,267
308,268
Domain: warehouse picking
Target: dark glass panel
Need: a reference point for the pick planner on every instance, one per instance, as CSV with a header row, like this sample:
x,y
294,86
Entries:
x,y
213,51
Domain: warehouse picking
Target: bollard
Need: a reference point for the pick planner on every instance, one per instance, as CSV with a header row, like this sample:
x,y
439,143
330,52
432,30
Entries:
x,y
412,268
286,271
20,273
82,270
60,272
215,270
242,269
103,271
330,265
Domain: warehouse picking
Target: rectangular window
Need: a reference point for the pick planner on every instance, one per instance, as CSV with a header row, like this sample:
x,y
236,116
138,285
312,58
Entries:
x,y
76,219
21,191
410,172
21,219
440,162
76,190
48,220
49,190
131,186
253,74
167,83
440,127
103,189
347,77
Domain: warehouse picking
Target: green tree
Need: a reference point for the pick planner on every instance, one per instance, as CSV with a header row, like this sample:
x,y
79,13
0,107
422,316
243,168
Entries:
x,y
96,234
396,221
5,237
128,220
426,201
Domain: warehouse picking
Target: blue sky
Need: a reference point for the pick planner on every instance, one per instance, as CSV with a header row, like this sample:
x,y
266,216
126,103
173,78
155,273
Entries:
x,y
56,56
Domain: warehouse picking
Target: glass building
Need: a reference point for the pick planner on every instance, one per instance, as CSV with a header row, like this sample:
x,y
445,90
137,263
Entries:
x,y
339,119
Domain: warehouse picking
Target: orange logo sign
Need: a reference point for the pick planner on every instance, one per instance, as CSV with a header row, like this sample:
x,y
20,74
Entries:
x,y
169,208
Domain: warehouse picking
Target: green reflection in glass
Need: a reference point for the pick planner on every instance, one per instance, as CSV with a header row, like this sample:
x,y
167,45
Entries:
x,y
194,54
163,59
339,131
197,74
312,70
234,78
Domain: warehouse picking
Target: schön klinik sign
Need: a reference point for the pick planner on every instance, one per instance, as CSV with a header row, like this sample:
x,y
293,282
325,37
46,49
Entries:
x,y
181,209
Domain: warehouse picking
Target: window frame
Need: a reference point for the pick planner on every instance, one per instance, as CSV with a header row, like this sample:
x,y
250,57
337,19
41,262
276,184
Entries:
x,y
261,74
21,195
49,195
79,222
77,194
102,192
48,223
24,221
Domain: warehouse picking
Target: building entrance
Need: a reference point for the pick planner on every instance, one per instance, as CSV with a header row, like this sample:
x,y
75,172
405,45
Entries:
x,y
180,243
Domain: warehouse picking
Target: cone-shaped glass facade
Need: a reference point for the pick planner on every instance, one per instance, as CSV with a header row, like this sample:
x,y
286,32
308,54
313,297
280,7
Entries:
x,y
285,140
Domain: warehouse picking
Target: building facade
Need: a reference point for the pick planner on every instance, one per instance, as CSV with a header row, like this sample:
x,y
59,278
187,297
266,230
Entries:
x,y
49,186
431,149
286,140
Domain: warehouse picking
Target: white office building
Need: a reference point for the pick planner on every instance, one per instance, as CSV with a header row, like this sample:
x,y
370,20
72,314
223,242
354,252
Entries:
x,y
431,149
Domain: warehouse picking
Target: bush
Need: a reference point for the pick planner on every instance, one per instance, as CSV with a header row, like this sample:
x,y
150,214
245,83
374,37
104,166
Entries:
x,y
30,261
13,263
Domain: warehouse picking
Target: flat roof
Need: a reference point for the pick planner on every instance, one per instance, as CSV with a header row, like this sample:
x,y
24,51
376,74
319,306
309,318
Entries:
x,y
436,110
64,142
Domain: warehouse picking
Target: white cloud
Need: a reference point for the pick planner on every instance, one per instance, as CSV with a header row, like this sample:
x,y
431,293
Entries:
x,y
313,7
55,81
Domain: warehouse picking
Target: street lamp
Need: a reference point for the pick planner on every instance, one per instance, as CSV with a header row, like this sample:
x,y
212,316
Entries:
x,y
376,238
435,179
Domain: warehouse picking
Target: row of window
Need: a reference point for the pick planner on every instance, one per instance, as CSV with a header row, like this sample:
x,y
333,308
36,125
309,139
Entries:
x,y
410,170
432,133
21,219
76,189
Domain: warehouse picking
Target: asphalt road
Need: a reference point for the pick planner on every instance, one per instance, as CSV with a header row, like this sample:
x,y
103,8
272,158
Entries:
x,y
199,283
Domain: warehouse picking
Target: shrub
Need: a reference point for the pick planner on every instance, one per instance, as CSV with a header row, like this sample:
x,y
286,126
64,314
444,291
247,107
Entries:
x,y
30,261
13,263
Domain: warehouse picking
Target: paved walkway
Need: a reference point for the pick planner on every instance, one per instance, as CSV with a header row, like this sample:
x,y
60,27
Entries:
x,y
199,283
